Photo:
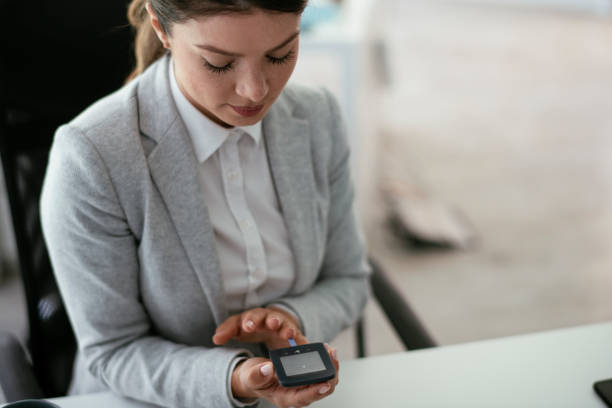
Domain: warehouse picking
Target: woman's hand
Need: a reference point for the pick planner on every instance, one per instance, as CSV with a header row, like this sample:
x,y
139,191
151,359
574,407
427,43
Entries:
x,y
255,378
271,326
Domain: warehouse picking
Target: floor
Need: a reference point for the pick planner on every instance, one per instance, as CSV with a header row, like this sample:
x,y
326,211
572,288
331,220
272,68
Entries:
x,y
503,113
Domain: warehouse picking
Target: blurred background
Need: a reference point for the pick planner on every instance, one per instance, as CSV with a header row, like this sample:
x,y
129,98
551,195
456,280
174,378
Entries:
x,y
482,156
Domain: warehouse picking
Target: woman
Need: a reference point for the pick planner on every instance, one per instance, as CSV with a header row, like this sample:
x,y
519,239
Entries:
x,y
203,212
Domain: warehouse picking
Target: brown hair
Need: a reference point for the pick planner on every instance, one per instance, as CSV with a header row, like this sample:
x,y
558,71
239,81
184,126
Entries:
x,y
148,48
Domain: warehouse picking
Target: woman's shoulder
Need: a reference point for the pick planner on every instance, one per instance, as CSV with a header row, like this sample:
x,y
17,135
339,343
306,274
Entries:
x,y
111,117
308,98
310,103
299,93
104,135
319,107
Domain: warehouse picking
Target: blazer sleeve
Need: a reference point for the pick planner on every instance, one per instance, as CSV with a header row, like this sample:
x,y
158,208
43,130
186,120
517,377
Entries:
x,y
95,258
342,287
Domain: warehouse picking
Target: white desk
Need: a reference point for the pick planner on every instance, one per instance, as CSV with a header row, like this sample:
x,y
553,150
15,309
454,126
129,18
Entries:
x,y
550,369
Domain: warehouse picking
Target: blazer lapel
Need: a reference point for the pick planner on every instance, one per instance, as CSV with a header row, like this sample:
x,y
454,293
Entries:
x,y
288,145
174,169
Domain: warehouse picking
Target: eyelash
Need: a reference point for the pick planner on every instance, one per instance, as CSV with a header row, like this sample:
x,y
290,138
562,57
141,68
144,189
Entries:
x,y
281,60
273,60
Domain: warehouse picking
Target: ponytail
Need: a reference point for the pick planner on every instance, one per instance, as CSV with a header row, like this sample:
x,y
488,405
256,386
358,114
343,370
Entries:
x,y
147,47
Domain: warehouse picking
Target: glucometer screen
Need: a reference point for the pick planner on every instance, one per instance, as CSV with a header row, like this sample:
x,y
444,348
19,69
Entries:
x,y
302,365
306,363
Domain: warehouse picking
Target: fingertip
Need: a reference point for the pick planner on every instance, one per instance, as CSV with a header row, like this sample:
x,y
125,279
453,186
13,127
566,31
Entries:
x,y
287,332
248,326
332,351
266,369
273,323
324,389
262,375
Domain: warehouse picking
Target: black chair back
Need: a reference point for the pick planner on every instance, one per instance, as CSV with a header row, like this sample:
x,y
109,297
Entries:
x,y
396,308
51,342
58,57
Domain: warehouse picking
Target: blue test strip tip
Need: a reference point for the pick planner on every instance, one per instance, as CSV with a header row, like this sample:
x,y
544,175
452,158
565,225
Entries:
x,y
292,342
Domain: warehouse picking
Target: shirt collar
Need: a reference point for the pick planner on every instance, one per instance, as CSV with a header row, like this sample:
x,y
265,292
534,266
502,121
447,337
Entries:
x,y
207,136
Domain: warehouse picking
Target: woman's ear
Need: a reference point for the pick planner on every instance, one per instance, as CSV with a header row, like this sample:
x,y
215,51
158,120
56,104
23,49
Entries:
x,y
159,31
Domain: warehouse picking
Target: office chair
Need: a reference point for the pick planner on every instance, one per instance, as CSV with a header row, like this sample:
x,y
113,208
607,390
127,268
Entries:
x,y
23,151
53,67
58,57
397,310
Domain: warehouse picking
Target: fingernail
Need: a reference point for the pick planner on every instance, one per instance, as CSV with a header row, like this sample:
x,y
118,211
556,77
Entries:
x,y
266,370
324,389
250,324
334,354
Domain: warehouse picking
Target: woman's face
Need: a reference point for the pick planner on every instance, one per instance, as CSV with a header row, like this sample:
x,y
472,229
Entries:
x,y
233,67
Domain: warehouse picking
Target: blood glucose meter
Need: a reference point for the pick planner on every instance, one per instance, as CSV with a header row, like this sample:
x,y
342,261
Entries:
x,y
302,365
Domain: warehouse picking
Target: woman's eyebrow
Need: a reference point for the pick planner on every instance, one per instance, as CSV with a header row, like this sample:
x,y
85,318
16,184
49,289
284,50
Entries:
x,y
232,54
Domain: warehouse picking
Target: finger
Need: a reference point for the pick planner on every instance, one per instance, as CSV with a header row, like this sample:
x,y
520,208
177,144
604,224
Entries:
x,y
253,319
260,376
274,321
282,343
300,339
307,395
333,353
288,330
324,389
226,330
336,379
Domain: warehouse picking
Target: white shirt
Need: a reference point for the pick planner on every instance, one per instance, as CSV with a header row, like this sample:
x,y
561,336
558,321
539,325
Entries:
x,y
252,242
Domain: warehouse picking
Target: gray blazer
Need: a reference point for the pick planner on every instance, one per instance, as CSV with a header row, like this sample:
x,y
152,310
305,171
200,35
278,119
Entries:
x,y
133,249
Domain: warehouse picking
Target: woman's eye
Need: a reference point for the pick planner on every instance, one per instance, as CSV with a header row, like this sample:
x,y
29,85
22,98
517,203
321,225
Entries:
x,y
274,60
281,60
217,70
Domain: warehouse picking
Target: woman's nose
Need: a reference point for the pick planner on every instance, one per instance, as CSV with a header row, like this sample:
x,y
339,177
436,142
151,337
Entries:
x,y
253,85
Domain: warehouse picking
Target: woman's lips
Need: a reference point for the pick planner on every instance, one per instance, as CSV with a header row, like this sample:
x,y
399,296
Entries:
x,y
247,110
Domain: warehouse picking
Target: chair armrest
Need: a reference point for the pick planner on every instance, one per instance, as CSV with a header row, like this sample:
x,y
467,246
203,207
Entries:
x,y
401,316
17,380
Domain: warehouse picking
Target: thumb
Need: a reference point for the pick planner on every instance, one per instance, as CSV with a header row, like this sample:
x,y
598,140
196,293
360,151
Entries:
x,y
261,376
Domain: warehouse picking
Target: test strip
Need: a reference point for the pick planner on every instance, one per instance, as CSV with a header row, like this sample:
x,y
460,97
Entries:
x,y
292,342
